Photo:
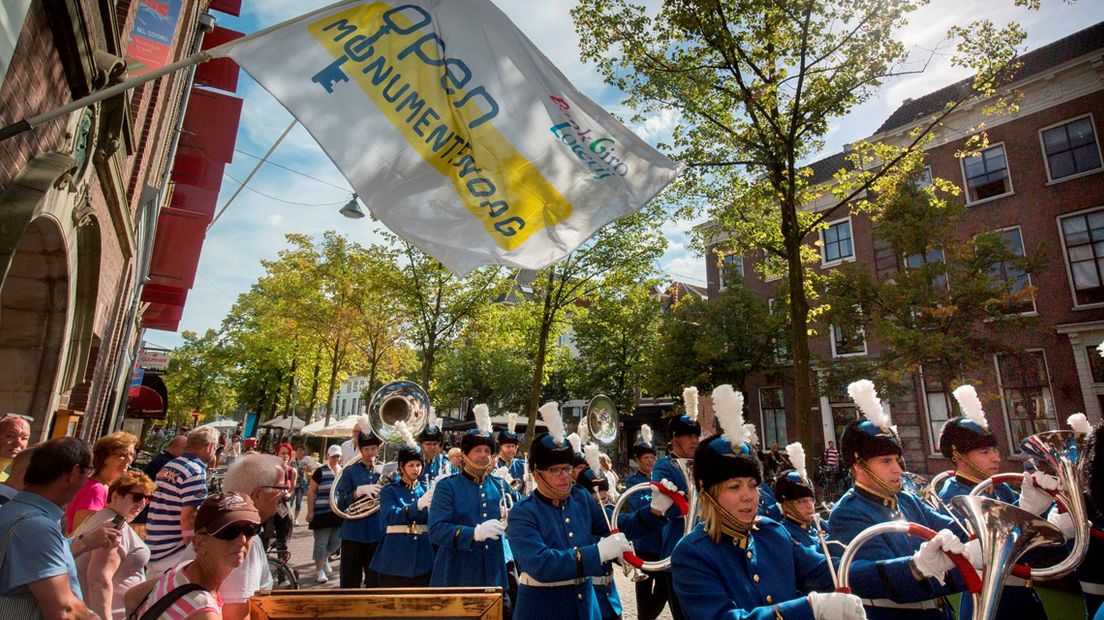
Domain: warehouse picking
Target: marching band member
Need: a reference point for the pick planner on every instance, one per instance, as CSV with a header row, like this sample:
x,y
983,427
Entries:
x,y
797,501
967,441
651,594
405,556
465,518
684,432
595,482
360,537
431,439
507,449
349,446
768,503
1091,571
560,536
737,565
871,450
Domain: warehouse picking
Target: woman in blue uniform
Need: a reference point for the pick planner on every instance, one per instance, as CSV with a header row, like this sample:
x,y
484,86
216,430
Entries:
x,y
737,565
405,556
360,537
559,533
651,593
798,505
592,480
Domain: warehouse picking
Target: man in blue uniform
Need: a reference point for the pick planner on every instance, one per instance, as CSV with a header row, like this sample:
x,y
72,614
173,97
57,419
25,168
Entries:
x,y
466,522
560,537
871,450
798,506
507,449
1091,571
431,440
360,537
651,593
405,556
684,432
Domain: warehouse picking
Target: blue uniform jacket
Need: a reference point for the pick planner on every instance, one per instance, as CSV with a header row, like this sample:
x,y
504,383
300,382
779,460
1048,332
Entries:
x,y
856,511
804,535
768,505
459,504
653,541
370,528
432,468
558,541
405,555
516,467
1091,571
768,580
665,469
1016,601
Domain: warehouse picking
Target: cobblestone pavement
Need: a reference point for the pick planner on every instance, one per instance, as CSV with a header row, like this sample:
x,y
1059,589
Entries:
x,y
302,544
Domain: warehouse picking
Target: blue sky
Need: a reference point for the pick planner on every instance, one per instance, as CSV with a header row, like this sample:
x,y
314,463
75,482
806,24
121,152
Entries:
x,y
307,200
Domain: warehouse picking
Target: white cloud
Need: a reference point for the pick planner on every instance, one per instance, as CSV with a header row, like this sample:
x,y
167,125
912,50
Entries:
x,y
275,219
658,127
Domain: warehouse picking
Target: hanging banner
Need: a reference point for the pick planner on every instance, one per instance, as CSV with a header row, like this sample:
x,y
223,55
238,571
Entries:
x,y
151,40
455,130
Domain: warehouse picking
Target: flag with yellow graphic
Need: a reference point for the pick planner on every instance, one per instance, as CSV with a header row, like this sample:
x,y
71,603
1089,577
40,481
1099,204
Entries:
x,y
455,130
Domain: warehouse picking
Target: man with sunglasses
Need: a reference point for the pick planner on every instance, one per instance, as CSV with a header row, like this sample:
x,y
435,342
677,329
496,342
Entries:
x,y
15,433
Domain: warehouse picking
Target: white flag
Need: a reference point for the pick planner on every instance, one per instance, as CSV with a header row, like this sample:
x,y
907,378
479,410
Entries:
x,y
455,130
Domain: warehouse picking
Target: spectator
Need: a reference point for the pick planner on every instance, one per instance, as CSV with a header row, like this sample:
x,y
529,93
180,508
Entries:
x,y
261,478
609,474
15,433
181,489
172,450
106,574
226,524
831,456
302,464
37,573
233,451
18,469
111,457
456,457
325,524
349,446
281,521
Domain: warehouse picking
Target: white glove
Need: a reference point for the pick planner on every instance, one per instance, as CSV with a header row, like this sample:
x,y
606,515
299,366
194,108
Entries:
x,y
1064,522
1033,495
973,553
613,546
502,472
491,528
366,490
931,560
836,606
661,502
423,501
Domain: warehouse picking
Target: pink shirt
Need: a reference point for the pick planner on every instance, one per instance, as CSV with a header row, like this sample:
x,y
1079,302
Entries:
x,y
186,606
92,496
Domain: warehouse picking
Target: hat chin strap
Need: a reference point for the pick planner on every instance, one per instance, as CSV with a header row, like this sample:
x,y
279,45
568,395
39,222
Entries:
x,y
474,470
548,490
886,490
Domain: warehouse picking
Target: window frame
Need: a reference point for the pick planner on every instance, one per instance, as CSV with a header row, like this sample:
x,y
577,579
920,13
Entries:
x,y
1034,311
721,269
1065,255
832,339
824,262
1013,449
763,415
1046,160
966,180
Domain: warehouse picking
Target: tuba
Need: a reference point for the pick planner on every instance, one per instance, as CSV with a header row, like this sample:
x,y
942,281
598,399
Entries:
x,y
601,418
690,519
398,400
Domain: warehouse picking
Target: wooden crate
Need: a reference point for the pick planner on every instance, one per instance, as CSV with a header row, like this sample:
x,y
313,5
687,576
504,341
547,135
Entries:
x,y
380,604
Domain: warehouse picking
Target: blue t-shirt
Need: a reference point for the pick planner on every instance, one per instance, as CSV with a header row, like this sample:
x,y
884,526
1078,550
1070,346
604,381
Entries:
x,y
36,549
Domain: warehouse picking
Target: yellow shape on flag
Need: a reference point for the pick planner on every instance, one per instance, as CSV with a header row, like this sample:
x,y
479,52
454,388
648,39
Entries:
x,y
405,71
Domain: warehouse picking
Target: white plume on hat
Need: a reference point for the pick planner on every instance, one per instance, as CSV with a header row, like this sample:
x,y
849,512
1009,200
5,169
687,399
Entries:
x,y
576,443
1100,349
407,436
645,433
796,452
365,424
431,418
690,399
550,413
968,401
584,430
590,453
728,406
483,418
1079,422
511,422
865,396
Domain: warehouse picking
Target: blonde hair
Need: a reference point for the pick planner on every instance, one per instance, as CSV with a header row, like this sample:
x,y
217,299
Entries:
x,y
107,445
711,521
454,452
131,479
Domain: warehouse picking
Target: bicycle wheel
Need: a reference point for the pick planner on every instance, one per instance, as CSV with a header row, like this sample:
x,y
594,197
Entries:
x,y
283,577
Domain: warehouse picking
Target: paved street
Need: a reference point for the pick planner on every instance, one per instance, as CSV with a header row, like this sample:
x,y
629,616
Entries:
x,y
302,542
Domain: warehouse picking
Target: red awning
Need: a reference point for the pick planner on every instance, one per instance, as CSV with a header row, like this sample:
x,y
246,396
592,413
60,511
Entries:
x,y
176,251
147,405
230,7
192,168
220,73
195,200
211,124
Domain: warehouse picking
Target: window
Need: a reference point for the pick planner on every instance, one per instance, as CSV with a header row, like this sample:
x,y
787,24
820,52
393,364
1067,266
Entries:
x,y
931,257
779,341
1013,276
842,407
1025,390
1096,364
924,179
774,417
938,406
836,242
847,342
987,174
732,270
1071,148
1083,237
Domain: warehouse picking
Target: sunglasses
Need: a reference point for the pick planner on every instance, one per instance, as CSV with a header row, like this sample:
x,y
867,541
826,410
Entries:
x,y
231,532
139,497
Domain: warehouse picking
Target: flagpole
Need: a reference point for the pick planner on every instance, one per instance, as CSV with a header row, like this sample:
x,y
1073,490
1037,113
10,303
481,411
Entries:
x,y
30,123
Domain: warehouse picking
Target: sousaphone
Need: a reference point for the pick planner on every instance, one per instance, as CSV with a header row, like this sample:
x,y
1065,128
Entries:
x,y
602,418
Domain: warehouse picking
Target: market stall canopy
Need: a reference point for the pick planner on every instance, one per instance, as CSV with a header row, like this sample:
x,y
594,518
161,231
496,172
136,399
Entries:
x,y
288,423
221,423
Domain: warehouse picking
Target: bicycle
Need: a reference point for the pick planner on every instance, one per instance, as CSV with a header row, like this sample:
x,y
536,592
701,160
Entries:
x,y
284,577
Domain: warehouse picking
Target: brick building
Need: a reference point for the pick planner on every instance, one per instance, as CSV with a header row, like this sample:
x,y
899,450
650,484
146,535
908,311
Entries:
x,y
80,199
1039,184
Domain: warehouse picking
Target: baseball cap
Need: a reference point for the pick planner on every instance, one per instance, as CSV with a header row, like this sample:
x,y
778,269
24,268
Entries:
x,y
223,509
334,450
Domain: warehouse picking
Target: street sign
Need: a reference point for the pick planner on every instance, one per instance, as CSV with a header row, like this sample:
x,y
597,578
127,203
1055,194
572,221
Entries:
x,y
136,381
153,360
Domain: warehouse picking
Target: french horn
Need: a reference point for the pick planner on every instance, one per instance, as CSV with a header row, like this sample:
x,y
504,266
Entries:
x,y
686,468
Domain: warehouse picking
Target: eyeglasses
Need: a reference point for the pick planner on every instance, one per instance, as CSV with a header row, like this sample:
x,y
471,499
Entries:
x,y
139,497
231,532
282,489
562,470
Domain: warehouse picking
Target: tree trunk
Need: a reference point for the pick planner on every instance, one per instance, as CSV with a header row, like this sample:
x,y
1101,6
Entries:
x,y
538,365
333,379
799,333
291,387
427,361
314,382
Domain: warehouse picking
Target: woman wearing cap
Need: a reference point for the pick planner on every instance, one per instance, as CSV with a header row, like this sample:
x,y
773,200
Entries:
x,y
736,564
651,594
323,521
798,505
360,537
560,537
405,556
225,525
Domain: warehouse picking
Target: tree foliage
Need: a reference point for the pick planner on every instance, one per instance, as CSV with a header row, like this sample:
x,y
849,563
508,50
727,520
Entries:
x,y
199,377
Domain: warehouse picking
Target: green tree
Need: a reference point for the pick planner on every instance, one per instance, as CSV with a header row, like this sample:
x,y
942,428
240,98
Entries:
x,y
757,83
199,377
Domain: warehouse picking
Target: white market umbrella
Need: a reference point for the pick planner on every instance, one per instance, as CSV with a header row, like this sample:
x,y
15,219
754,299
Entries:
x,y
319,429
221,423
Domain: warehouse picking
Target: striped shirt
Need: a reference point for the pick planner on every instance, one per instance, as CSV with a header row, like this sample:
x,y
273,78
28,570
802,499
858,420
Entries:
x,y
325,479
181,482
186,606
